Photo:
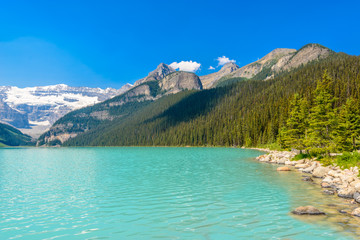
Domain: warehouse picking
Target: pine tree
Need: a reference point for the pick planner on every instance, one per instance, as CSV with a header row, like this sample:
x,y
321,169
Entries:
x,y
294,133
348,130
319,137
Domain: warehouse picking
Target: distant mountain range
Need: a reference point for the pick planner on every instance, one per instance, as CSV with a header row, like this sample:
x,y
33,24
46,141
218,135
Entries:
x,y
164,81
35,109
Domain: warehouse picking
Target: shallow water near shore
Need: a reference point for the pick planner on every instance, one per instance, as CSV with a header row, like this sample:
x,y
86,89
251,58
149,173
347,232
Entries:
x,y
159,193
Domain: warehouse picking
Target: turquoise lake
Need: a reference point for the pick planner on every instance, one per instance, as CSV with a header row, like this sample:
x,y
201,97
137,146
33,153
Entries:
x,y
157,193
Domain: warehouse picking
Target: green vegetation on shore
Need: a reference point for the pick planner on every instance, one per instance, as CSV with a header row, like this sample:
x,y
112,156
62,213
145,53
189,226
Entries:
x,y
319,126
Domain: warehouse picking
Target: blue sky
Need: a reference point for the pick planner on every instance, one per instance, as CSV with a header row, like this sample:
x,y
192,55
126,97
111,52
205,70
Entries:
x,y
109,43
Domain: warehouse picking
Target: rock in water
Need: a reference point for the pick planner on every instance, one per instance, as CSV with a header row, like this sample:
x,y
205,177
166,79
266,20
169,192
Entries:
x,y
329,192
307,179
325,185
308,210
356,212
283,169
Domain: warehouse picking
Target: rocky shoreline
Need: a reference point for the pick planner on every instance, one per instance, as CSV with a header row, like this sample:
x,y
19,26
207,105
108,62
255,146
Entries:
x,y
333,180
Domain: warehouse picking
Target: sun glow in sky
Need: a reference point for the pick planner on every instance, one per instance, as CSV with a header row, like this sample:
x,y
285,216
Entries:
x,y
109,43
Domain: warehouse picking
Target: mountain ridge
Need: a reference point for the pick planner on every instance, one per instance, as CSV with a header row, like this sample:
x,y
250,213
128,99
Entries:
x,y
276,61
148,89
246,113
162,81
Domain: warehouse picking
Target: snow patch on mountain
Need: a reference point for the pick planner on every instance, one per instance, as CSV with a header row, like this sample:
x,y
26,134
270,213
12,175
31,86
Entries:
x,y
37,108
47,96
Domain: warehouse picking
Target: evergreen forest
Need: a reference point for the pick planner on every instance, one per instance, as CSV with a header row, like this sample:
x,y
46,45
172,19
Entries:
x,y
312,108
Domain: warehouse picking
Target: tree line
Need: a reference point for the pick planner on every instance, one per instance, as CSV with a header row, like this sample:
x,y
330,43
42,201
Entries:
x,y
318,125
246,113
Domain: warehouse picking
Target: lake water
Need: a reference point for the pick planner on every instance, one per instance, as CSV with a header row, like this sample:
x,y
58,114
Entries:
x,y
158,193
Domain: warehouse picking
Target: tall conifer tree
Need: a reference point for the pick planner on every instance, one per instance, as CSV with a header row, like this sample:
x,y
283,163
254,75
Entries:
x,y
294,132
322,118
348,130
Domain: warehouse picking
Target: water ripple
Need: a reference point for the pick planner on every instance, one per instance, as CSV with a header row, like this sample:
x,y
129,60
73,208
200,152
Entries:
x,y
154,193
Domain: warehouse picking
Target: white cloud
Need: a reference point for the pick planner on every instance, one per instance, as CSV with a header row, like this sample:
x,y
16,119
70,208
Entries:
x,y
224,60
187,66
211,68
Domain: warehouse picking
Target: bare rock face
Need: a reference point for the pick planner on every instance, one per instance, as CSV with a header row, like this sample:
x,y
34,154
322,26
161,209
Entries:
x,y
307,210
179,81
13,116
159,73
125,88
268,60
306,54
209,80
170,84
139,91
278,60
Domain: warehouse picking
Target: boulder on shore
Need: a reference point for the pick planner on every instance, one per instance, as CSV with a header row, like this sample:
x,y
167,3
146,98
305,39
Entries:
x,y
356,197
346,192
308,210
283,169
357,186
320,172
311,168
301,165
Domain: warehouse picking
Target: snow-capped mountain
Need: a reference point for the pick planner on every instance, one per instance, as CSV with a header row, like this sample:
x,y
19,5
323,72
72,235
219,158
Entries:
x,y
34,109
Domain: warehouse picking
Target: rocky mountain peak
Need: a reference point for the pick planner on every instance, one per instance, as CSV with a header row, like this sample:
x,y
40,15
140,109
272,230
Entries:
x,y
159,73
125,88
229,67
209,80
307,53
279,59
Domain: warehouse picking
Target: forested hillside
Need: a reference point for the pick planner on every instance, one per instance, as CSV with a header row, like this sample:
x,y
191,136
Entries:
x,y
10,136
245,113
